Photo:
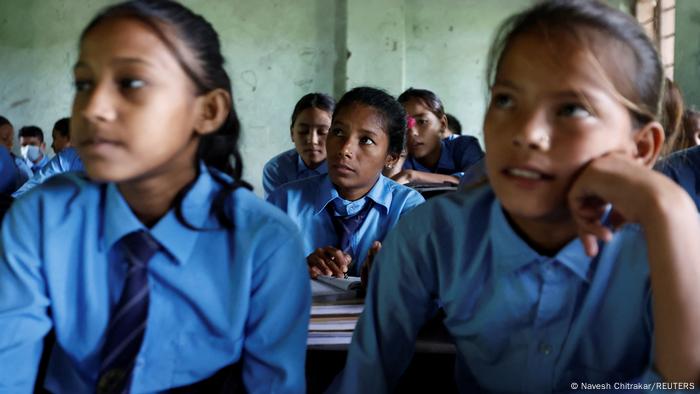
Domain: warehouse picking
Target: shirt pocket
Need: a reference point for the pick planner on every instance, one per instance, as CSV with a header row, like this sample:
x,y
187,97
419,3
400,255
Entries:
x,y
200,355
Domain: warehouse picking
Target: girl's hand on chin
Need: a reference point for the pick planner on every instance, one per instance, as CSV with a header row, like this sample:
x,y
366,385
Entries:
x,y
634,191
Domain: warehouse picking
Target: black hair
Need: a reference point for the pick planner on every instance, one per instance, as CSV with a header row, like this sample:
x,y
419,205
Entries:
x,y
31,131
426,97
321,101
63,127
577,17
392,113
453,124
171,21
4,121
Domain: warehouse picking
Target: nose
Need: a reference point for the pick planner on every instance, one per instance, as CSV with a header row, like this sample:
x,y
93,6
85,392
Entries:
x,y
314,138
98,105
346,148
532,132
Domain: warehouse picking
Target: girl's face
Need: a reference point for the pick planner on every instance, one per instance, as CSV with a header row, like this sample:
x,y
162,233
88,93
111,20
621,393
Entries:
x,y
134,108
549,115
309,134
358,148
425,136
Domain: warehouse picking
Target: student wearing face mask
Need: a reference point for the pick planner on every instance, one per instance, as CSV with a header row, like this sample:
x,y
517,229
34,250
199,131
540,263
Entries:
x,y
33,148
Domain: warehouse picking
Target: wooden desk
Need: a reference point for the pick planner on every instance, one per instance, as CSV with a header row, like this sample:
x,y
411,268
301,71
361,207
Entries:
x,y
432,366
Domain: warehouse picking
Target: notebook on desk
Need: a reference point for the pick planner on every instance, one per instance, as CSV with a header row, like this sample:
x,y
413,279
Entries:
x,y
334,289
428,190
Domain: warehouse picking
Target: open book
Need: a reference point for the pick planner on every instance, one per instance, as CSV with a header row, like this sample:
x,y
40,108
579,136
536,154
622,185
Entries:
x,y
351,283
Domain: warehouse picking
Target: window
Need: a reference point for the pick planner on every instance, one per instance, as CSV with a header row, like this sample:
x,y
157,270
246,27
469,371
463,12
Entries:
x,y
658,17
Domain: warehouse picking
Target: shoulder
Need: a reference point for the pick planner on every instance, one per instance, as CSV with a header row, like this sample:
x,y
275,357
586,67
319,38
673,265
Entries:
x,y
401,192
301,189
64,188
682,162
281,160
468,209
254,214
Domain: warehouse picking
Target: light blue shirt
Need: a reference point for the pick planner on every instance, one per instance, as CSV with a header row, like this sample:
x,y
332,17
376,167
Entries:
x,y
24,171
287,167
217,296
684,168
305,202
35,167
521,322
456,156
66,160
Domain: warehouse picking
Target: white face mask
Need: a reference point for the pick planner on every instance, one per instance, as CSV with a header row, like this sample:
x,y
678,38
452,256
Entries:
x,y
30,152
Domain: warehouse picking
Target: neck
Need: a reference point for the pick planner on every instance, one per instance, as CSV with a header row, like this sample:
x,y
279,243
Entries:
x,y
150,197
354,193
546,237
311,166
431,159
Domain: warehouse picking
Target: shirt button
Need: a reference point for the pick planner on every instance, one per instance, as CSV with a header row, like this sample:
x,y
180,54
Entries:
x,y
545,348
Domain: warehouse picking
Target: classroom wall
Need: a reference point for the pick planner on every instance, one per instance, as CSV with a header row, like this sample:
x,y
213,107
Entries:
x,y
278,50
687,51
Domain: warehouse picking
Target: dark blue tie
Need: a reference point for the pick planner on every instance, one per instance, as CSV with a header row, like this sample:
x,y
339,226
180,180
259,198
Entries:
x,y
128,321
346,226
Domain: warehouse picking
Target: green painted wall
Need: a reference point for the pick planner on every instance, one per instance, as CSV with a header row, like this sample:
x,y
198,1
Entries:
x,y
278,50
687,50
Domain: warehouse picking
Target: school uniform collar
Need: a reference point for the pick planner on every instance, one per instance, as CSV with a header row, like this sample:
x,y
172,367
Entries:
x,y
379,193
444,161
512,253
303,169
177,240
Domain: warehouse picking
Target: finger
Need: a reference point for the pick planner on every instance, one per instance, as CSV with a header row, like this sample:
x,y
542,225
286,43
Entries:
x,y
335,261
320,264
314,272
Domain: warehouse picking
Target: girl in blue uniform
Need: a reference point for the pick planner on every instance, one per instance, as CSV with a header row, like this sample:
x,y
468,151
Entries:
x,y
432,159
157,272
577,262
311,120
345,214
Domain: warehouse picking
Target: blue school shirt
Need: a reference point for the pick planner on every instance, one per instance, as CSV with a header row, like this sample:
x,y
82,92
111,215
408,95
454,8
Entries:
x,y
305,202
684,168
456,156
288,167
66,160
35,167
521,322
217,296
24,171
8,172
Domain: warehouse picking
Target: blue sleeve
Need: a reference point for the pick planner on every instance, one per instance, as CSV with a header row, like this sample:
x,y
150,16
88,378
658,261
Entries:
x,y
397,305
24,302
53,167
271,177
278,321
467,153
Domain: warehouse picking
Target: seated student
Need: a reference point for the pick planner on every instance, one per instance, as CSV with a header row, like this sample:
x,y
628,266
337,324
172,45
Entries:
x,y
684,168
311,119
453,129
691,128
67,160
161,269
538,291
8,180
432,159
367,134
33,147
61,135
7,140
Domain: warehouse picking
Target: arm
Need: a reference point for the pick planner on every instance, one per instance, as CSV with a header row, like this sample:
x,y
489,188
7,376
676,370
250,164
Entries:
x,y
271,177
671,226
415,176
278,320
23,301
397,305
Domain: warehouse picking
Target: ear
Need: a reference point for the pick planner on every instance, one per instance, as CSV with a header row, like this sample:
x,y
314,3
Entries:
x,y
212,110
291,133
443,123
649,140
391,160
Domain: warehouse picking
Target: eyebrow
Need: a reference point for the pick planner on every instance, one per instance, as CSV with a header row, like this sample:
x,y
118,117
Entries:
x,y
117,61
314,124
507,83
368,131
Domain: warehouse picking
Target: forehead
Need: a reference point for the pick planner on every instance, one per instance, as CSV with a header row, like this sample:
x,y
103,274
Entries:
x,y
126,38
361,116
416,106
313,115
30,139
570,58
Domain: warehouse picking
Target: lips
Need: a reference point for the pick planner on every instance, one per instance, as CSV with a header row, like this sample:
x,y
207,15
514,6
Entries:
x,y
343,168
527,173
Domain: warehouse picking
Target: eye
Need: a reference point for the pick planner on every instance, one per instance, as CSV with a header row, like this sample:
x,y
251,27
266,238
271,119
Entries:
x,y
82,85
323,131
303,131
502,101
131,83
366,141
337,131
574,111
422,122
